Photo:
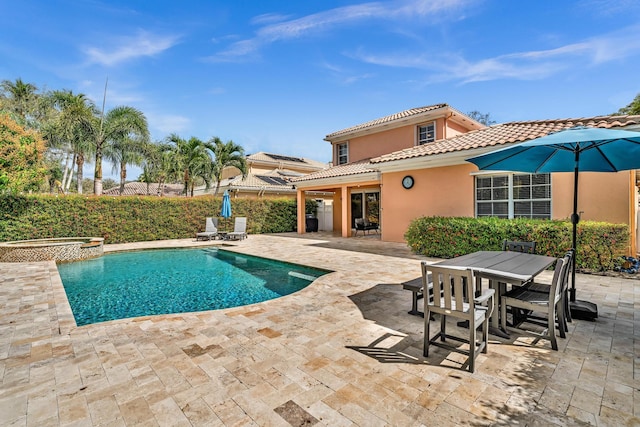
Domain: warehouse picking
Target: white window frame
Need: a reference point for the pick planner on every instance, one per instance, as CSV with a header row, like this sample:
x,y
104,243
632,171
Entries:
x,y
346,155
426,140
511,201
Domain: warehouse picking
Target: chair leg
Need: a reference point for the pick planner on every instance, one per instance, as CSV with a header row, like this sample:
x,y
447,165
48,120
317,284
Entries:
x,y
472,346
427,313
562,322
567,311
485,335
551,325
503,314
443,327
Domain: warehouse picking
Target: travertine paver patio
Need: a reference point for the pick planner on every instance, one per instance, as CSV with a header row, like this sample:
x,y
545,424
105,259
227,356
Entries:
x,y
341,352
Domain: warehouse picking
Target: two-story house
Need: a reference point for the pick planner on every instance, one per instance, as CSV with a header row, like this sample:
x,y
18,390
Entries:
x,y
413,163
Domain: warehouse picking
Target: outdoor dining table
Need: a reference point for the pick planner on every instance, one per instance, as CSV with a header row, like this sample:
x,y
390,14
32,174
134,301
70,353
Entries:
x,y
511,267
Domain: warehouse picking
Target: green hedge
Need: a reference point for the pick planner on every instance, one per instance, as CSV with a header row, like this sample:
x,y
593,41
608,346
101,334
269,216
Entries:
x,y
135,218
600,245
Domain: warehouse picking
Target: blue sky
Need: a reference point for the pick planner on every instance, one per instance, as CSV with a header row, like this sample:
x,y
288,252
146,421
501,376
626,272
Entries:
x,y
279,76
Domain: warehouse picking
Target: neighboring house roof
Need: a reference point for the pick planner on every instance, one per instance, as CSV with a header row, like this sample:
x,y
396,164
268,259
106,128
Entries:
x,y
140,189
279,179
401,119
505,133
282,161
275,180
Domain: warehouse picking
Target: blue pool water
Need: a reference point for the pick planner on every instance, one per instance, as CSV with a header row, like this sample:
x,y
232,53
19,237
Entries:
x,y
133,284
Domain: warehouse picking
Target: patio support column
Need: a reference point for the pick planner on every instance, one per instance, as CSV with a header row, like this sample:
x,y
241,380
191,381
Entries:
x,y
301,212
346,208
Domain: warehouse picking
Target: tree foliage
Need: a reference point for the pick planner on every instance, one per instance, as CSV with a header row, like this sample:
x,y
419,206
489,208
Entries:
x,y
483,118
21,100
118,124
226,154
633,108
22,166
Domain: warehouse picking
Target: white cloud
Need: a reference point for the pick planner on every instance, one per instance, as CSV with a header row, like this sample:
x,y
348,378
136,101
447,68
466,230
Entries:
x,y
345,76
168,123
330,19
530,65
126,48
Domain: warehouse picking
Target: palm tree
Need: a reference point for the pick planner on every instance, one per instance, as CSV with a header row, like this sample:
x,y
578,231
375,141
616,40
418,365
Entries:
x,y
224,155
194,161
123,152
160,164
19,98
74,127
119,123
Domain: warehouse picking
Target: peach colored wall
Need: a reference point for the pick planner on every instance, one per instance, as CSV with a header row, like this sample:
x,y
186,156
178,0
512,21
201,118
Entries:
x,y
369,146
452,130
446,191
601,196
337,210
449,191
388,141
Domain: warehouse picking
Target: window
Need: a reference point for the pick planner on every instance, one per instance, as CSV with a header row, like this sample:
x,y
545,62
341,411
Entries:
x,y
426,133
514,195
342,153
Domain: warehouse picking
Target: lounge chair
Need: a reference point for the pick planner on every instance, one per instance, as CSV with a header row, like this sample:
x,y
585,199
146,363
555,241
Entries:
x,y
210,230
239,229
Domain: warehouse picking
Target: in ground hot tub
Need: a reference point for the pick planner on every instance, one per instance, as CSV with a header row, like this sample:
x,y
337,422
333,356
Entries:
x,y
60,250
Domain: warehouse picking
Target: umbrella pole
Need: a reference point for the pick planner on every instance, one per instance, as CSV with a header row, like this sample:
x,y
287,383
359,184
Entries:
x,y
575,218
579,309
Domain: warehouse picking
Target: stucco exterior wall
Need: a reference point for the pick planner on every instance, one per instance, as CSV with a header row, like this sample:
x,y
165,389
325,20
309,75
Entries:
x,y
374,145
337,210
452,129
449,191
601,196
445,191
388,141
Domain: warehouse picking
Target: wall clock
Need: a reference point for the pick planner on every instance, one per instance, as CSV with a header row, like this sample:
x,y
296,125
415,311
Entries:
x,y
407,182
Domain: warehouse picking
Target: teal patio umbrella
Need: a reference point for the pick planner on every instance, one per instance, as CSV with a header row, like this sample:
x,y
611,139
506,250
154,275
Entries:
x,y
574,149
226,205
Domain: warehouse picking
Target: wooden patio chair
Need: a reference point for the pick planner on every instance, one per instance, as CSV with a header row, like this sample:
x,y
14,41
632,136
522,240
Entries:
x,y
539,303
450,287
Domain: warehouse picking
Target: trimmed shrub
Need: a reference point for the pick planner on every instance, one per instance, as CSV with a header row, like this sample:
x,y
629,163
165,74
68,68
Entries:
x,y
600,245
135,218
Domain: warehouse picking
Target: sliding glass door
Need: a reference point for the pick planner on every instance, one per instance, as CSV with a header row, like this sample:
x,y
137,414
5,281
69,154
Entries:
x,y
365,205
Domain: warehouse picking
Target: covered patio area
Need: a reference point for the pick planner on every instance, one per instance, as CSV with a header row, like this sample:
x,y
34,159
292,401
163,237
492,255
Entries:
x,y
343,351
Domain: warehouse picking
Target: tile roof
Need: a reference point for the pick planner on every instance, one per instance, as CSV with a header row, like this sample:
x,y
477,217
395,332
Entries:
x,y
286,161
254,182
140,189
355,168
391,118
498,135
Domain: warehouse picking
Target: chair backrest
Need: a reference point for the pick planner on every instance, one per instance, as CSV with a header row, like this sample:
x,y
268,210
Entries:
x,y
359,222
453,289
240,226
568,261
514,246
211,224
427,281
559,279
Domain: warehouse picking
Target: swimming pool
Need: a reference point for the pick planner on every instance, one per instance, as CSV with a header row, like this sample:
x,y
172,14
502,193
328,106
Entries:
x,y
133,284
